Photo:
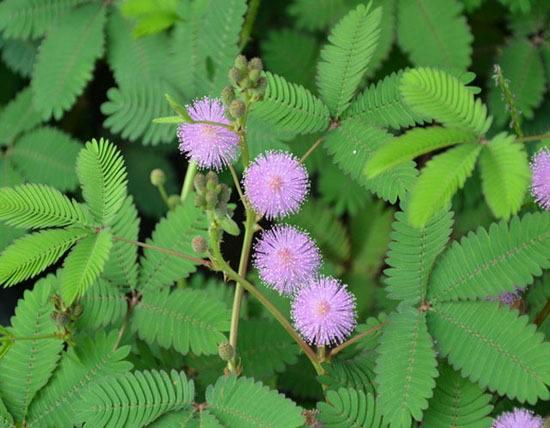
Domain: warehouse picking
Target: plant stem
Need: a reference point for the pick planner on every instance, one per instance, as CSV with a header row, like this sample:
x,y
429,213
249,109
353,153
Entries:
x,y
163,194
355,339
187,186
165,251
311,149
251,14
134,300
533,138
237,185
543,314
509,100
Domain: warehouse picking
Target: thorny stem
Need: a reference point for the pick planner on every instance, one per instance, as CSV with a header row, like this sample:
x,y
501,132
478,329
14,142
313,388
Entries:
x,y
508,97
545,311
188,180
311,149
355,339
168,251
533,138
249,23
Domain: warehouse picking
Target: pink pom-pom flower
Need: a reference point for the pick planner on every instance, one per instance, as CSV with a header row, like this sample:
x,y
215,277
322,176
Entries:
x,y
540,186
324,312
276,184
211,146
286,258
519,418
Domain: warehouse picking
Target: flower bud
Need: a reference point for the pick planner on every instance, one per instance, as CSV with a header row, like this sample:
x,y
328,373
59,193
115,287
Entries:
x,y
254,75
211,199
241,63
200,183
225,194
226,351
235,75
173,201
228,95
245,83
200,201
237,109
212,177
199,244
157,177
256,64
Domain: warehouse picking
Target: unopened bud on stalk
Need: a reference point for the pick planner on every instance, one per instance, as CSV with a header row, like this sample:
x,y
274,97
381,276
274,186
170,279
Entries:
x,y
235,75
200,183
254,75
228,95
157,177
173,201
241,63
237,109
226,351
256,64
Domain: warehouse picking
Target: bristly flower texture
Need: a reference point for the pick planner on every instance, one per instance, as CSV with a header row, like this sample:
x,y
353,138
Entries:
x,y
276,184
324,312
519,418
211,146
540,187
286,258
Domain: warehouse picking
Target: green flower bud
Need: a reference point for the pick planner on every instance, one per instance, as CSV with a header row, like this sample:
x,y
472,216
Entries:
x,y
212,177
211,199
245,83
228,95
254,75
157,177
226,351
261,84
221,209
237,109
199,244
235,75
225,194
173,201
200,201
256,64
241,63
200,183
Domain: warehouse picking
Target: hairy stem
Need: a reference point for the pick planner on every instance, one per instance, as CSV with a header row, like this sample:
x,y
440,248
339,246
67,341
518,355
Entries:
x,y
509,100
355,339
533,138
251,14
188,180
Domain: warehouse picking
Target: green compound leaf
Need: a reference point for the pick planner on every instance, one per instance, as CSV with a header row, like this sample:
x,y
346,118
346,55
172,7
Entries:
x,y
134,399
457,402
94,358
18,116
405,383
20,55
187,320
504,175
414,143
6,419
494,347
434,33
66,59
291,108
35,206
381,104
317,14
28,364
102,174
412,254
229,400
348,407
30,19
356,373
47,156
345,58
175,231
488,263
441,96
84,264
442,176
353,143
28,256
103,304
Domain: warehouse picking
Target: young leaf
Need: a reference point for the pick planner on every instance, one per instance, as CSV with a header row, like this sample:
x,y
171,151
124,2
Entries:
x,y
66,59
434,33
412,144
442,176
47,155
102,174
28,364
230,401
405,383
413,252
103,304
441,96
187,320
478,335
28,256
175,232
35,206
291,108
94,358
492,262
348,407
381,104
457,402
504,175
18,116
84,264
346,57
134,399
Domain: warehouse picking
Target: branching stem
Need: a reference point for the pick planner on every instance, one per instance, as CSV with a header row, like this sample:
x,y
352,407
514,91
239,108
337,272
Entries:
x,y
311,149
355,339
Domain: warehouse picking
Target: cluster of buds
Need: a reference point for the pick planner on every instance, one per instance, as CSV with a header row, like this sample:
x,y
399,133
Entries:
x,y
63,315
247,86
211,195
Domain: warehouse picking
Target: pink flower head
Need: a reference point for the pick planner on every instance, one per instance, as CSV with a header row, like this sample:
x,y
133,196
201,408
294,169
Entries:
x,y
324,311
276,184
519,418
540,187
211,146
286,258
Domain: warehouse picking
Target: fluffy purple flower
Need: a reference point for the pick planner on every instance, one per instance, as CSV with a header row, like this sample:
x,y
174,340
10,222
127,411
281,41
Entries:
x,y
211,146
286,258
519,418
276,184
324,311
540,186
